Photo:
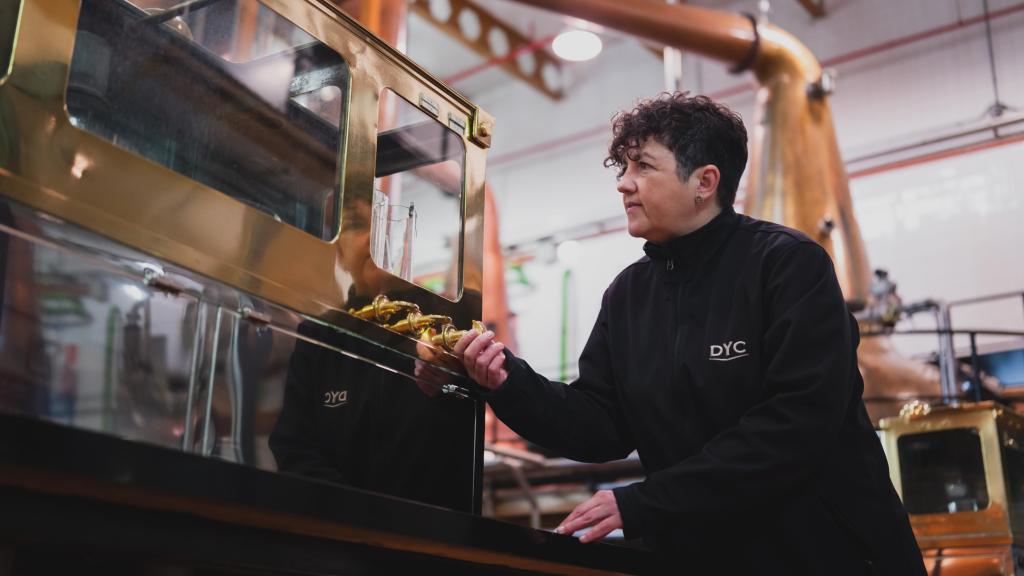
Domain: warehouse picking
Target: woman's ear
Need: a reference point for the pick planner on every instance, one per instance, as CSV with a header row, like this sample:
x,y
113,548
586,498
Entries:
x,y
708,177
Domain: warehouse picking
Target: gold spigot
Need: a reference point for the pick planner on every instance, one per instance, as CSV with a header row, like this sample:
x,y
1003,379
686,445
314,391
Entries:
x,y
382,309
450,335
416,323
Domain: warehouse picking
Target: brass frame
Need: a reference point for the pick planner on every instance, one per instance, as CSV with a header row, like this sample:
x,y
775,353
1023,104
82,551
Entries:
x,y
52,166
990,526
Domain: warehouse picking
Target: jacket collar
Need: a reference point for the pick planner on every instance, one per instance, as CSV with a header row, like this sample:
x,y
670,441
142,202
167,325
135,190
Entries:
x,y
697,246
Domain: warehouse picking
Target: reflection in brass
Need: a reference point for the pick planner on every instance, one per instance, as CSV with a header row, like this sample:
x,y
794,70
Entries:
x,y
796,175
450,335
54,166
415,323
382,309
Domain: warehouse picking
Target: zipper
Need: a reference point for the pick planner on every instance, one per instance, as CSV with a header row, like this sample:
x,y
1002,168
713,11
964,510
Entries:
x,y
671,265
677,328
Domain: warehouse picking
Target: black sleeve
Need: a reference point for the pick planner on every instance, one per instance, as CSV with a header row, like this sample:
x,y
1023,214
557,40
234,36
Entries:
x,y
780,442
294,441
580,421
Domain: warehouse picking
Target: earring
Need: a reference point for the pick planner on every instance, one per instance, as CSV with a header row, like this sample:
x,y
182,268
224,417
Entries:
x,y
698,200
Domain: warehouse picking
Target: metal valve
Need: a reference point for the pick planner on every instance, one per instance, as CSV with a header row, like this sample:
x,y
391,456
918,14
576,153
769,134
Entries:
x,y
435,329
449,335
382,309
416,323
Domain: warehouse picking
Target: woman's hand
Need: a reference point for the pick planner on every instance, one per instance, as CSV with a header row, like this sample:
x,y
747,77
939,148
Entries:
x,y
483,358
600,514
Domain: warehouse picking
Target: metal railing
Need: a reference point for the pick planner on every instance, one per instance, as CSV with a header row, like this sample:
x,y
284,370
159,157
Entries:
x,y
946,353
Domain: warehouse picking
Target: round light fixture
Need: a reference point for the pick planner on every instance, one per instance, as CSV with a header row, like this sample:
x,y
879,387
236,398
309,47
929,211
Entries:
x,y
568,252
576,45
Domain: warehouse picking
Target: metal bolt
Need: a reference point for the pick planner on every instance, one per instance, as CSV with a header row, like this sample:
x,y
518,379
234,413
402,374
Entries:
x,y
826,226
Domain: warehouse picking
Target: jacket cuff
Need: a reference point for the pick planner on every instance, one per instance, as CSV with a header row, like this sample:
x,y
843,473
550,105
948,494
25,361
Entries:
x,y
635,523
512,366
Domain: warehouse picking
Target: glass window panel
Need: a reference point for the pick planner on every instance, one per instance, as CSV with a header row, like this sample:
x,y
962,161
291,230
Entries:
x,y
85,347
417,206
943,472
313,406
228,93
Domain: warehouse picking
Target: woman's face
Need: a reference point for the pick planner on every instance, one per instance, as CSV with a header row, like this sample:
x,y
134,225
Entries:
x,y
354,246
659,206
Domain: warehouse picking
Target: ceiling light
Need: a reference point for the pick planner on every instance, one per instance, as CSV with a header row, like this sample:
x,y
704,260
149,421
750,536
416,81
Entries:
x,y
576,45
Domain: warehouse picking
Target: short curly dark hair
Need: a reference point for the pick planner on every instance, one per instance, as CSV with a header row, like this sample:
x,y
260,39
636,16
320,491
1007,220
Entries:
x,y
696,129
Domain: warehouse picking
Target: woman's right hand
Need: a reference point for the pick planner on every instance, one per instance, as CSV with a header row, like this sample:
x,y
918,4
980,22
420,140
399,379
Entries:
x,y
483,358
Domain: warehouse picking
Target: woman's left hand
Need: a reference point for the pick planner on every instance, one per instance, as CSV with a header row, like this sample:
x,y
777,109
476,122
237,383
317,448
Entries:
x,y
601,512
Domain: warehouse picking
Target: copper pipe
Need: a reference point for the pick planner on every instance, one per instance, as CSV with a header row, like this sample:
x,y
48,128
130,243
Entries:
x,y
246,28
495,306
715,34
385,18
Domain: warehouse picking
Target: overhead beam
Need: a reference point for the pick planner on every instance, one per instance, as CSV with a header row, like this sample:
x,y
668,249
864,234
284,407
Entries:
x,y
466,17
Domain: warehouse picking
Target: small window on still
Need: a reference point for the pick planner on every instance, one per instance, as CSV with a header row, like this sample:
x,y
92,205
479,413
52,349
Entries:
x,y
416,229
226,92
943,472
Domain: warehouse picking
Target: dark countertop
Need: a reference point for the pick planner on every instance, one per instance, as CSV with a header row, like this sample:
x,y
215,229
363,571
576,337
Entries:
x,y
127,503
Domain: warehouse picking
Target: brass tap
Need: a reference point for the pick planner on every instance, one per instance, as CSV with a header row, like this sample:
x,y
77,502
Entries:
x,y
450,335
382,309
416,323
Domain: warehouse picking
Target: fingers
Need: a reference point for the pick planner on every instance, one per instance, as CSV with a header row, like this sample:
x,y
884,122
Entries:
x,y
496,368
425,352
575,520
602,529
601,512
465,341
584,520
478,345
483,358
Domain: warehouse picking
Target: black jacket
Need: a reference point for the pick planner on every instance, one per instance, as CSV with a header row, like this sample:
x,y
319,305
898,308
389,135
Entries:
x,y
727,359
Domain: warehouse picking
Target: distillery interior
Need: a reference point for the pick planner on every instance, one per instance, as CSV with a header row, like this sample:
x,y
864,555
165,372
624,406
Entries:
x,y
251,249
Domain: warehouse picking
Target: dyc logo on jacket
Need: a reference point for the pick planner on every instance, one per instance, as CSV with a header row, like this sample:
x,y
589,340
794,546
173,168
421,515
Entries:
x,y
728,351
335,399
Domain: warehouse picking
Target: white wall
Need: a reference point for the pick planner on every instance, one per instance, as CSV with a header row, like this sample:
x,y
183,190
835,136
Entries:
x,y
950,230
945,229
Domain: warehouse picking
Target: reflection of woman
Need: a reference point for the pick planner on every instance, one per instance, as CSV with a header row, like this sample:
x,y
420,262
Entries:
x,y
354,250
350,422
